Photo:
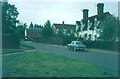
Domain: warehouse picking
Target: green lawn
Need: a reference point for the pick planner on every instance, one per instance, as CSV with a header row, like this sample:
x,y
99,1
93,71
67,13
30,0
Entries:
x,y
42,64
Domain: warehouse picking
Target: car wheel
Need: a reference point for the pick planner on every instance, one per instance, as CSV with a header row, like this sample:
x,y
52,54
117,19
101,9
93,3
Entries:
x,y
74,49
69,48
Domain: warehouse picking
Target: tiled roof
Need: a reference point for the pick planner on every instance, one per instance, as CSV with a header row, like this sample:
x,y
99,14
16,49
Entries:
x,y
72,26
105,14
33,29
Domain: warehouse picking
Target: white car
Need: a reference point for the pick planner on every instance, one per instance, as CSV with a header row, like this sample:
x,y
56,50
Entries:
x,y
76,45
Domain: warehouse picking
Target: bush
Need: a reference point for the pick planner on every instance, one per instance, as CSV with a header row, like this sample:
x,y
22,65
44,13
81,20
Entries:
x,y
102,45
10,41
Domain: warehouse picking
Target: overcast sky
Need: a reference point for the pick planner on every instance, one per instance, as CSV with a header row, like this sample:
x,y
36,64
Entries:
x,y
39,11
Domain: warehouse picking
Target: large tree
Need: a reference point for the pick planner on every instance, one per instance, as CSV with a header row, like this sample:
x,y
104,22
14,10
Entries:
x,y
109,31
10,38
9,17
47,30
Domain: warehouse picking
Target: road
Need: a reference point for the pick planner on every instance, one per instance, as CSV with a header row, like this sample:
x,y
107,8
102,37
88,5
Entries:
x,y
106,59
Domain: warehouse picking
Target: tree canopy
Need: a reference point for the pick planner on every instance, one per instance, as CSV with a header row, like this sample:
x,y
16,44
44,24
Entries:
x,y
47,30
9,17
31,25
109,31
21,30
10,37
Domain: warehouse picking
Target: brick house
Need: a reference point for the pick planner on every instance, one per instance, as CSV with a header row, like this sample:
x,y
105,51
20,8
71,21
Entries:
x,y
34,34
65,27
88,27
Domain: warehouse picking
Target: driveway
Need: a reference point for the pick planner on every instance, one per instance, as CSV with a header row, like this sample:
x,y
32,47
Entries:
x,y
106,59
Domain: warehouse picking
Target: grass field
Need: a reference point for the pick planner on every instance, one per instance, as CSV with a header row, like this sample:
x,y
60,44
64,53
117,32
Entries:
x,y
42,64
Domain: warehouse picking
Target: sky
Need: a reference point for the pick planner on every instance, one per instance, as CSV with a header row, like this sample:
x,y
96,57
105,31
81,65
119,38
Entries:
x,y
57,11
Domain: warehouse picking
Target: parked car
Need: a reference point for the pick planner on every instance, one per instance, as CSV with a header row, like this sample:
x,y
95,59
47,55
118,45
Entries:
x,y
76,45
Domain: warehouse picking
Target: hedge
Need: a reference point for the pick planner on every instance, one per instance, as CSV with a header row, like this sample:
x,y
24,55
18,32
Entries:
x,y
105,45
10,41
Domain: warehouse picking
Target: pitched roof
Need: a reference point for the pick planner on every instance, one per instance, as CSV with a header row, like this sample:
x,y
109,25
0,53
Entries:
x,y
78,23
72,26
104,15
33,29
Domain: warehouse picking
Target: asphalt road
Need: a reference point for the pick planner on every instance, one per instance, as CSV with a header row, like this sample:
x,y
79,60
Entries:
x,y
106,59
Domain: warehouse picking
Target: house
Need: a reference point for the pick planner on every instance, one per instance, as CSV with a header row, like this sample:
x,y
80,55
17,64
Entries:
x,y
88,27
34,33
71,28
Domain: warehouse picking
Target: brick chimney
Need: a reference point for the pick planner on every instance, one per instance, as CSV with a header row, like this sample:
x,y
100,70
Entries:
x,y
85,18
85,14
100,10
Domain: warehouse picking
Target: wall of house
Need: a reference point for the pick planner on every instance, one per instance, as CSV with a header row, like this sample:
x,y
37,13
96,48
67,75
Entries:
x,y
91,34
34,35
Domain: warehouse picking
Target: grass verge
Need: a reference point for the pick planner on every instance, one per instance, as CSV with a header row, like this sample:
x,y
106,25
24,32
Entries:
x,y
42,64
8,51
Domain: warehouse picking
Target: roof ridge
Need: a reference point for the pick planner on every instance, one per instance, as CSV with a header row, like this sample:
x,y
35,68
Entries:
x,y
64,24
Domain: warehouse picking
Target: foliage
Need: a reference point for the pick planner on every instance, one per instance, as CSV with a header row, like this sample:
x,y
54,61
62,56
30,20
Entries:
x,y
47,30
67,35
9,18
10,41
109,31
10,38
61,33
31,25
21,30
37,26
104,45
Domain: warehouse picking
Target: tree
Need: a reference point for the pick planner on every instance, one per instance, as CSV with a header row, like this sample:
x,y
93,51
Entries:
x,y
9,17
31,25
47,30
21,30
61,33
35,26
40,26
10,38
109,31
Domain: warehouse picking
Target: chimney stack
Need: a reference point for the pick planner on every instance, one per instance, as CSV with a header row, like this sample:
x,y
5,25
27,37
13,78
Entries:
x,y
85,14
85,18
100,10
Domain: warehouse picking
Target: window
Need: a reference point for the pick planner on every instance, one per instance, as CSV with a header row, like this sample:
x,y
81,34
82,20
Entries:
x,y
72,43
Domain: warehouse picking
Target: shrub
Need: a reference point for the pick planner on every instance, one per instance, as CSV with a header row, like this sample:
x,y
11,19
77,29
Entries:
x,y
102,45
10,41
